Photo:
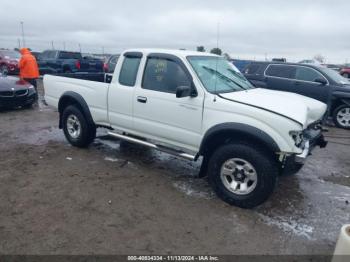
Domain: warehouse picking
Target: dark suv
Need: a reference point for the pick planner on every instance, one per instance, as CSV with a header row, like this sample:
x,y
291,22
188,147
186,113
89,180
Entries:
x,y
320,83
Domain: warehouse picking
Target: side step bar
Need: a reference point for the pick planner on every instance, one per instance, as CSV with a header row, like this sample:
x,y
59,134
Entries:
x,y
150,145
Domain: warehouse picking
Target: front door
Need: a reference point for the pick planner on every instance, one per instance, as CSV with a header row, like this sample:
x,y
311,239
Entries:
x,y
158,113
305,84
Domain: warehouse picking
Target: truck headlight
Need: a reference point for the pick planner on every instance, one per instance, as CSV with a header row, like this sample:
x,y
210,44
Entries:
x,y
297,137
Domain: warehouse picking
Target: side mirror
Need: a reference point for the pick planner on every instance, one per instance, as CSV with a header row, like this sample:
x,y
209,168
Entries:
x,y
321,81
183,91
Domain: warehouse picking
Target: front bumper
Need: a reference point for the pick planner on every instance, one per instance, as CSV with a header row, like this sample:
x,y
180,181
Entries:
x,y
12,102
309,145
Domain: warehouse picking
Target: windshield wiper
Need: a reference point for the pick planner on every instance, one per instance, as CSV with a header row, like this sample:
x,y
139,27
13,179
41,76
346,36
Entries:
x,y
222,76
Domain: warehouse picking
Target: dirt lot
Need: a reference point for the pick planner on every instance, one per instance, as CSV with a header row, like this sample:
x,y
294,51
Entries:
x,y
117,198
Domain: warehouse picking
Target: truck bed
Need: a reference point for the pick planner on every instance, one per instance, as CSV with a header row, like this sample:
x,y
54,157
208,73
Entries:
x,y
96,77
93,92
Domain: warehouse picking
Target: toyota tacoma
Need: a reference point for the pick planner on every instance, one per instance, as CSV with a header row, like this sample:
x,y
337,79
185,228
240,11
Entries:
x,y
196,106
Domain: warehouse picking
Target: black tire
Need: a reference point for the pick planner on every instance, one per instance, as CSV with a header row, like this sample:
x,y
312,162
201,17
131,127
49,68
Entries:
x,y
335,117
87,130
266,171
346,75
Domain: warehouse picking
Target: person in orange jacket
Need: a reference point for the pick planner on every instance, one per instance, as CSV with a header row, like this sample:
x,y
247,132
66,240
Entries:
x,y
28,67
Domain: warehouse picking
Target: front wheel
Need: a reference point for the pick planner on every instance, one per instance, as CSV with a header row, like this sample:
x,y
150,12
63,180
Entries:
x,y
341,116
76,128
242,175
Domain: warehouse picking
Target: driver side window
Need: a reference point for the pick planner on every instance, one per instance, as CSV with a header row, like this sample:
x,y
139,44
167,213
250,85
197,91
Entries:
x,y
307,74
164,75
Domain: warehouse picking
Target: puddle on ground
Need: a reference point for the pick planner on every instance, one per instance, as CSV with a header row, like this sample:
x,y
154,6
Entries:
x,y
198,188
41,136
340,180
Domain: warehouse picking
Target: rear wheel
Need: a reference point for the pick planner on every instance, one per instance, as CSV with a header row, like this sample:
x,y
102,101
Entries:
x,y
76,128
341,116
346,75
242,175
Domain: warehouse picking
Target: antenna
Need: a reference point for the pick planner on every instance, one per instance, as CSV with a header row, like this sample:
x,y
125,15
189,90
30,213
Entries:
x,y
217,58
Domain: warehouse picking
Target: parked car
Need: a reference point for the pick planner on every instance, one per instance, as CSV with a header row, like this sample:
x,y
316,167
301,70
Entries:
x,y
15,92
192,105
110,63
282,60
334,67
55,61
345,72
309,61
9,61
318,82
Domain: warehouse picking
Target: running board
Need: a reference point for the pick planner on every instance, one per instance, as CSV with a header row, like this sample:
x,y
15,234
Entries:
x,y
150,145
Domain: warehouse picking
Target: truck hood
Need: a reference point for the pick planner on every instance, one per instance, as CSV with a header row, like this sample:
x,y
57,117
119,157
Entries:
x,y
301,109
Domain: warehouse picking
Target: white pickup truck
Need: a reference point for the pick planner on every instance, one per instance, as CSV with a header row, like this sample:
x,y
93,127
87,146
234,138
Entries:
x,y
195,105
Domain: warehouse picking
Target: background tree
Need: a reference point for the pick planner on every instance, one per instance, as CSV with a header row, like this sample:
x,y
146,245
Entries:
x,y
216,51
227,56
319,58
200,48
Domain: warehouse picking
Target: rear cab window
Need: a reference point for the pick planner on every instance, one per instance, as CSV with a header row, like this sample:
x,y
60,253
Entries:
x,y
130,68
69,55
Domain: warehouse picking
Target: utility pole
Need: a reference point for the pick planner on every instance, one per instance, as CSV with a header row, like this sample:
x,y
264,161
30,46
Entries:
x,y
79,47
52,46
23,41
64,46
19,43
103,50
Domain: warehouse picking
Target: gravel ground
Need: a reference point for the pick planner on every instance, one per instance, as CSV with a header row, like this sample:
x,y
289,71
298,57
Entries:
x,y
118,198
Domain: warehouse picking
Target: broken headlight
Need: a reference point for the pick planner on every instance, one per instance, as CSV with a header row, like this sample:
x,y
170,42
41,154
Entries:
x,y
297,137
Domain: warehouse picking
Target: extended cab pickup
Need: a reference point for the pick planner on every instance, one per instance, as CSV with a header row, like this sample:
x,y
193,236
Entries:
x,y
195,105
55,61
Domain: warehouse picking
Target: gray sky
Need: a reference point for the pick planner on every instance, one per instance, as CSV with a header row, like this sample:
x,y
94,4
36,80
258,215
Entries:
x,y
297,29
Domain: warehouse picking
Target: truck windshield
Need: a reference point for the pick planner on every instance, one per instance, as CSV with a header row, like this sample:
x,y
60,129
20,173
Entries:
x,y
218,75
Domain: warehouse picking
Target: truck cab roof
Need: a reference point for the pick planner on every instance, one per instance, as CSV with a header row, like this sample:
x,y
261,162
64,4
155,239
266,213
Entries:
x,y
176,52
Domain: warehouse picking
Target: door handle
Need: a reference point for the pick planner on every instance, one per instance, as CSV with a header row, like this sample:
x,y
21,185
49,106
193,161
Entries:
x,y
142,99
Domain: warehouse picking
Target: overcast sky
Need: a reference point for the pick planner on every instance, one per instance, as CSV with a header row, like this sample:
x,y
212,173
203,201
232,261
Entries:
x,y
297,29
